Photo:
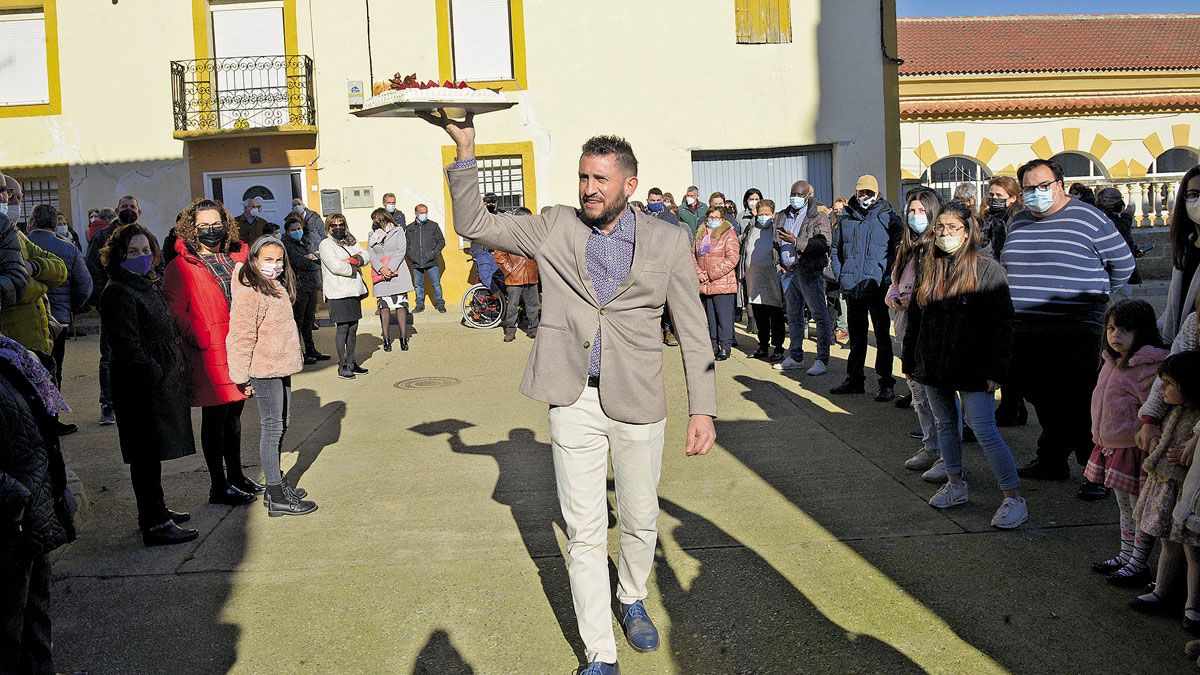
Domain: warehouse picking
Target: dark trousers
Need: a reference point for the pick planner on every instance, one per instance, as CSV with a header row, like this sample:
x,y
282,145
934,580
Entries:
x,y
105,367
858,309
24,612
58,352
719,309
147,490
305,312
1055,367
771,325
346,339
516,295
667,326
221,441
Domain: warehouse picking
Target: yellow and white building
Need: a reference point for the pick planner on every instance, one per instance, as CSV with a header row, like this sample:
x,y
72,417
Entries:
x,y
172,99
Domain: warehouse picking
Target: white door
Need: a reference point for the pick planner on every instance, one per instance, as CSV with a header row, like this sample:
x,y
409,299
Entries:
x,y
252,80
275,189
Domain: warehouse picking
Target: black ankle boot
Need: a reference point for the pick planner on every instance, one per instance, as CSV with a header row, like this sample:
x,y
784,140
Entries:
x,y
344,372
357,369
166,534
403,343
248,486
229,496
282,501
387,344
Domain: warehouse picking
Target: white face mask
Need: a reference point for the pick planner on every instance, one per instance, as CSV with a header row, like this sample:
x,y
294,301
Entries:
x,y
270,270
254,211
752,205
691,201
1192,206
867,202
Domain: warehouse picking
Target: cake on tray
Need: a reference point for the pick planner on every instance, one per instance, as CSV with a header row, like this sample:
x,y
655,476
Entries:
x,y
405,96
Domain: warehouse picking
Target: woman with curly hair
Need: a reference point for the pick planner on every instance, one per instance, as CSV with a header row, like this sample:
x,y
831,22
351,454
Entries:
x,y
149,378
197,289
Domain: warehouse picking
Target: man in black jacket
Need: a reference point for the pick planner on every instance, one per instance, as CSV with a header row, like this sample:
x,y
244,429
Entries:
x,y
425,244
307,267
128,211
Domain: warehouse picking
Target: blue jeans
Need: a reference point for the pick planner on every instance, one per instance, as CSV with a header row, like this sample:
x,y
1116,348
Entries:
x,y
806,287
435,279
925,416
979,413
274,396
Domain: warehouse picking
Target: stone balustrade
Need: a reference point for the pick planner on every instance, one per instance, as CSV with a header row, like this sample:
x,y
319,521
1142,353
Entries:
x,y
1152,197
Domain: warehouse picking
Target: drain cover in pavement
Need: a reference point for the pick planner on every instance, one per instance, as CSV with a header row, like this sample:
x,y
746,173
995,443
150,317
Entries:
x,y
427,383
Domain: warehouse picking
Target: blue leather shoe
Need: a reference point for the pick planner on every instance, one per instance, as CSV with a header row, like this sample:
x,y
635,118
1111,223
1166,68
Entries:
x,y
639,629
600,668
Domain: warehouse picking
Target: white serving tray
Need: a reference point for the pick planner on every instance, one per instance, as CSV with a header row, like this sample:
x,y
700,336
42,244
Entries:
x,y
453,108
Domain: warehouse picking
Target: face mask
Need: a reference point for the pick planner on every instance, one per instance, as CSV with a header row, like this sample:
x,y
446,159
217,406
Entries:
x,y
797,202
491,208
763,220
61,230
296,234
212,237
752,204
298,208
997,203
139,265
867,202
950,244
691,201
338,233
254,212
1039,200
3,209
127,216
655,207
917,222
713,224
1192,206
391,208
270,270
422,217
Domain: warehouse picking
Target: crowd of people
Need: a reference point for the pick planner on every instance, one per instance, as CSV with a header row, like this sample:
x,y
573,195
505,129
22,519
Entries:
x,y
1021,291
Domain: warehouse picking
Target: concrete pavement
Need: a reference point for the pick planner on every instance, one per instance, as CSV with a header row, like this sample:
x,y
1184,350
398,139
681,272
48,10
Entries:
x,y
800,545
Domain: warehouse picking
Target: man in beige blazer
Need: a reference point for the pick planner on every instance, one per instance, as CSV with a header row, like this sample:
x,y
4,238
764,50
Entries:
x,y
607,274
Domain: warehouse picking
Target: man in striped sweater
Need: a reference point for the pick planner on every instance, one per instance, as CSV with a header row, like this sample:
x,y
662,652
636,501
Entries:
x,y
1063,258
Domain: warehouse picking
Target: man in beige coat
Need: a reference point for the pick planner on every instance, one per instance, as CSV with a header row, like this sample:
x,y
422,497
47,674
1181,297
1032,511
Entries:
x,y
607,274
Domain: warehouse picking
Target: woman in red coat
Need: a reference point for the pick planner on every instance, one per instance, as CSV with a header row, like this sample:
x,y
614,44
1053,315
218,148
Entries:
x,y
197,289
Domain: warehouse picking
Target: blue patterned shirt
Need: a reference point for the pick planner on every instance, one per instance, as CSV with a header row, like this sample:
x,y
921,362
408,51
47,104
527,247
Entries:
x,y
609,258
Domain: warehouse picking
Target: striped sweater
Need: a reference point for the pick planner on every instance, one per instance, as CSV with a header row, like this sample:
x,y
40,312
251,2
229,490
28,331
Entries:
x,y
1061,268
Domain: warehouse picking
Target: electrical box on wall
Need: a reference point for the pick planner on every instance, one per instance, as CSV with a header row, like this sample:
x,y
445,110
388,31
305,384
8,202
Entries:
x,y
331,202
362,197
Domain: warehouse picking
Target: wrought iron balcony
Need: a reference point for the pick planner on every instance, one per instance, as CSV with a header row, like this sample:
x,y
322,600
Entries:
x,y
243,95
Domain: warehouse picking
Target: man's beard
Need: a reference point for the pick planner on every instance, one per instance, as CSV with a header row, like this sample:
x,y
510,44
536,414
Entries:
x,y
606,216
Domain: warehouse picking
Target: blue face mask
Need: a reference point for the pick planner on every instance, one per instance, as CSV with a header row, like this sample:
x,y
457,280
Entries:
x,y
655,207
713,224
917,222
422,217
391,208
298,208
60,230
763,220
797,202
1039,200
296,234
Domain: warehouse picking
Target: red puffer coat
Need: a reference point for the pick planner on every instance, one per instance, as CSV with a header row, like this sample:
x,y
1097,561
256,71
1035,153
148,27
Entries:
x,y
201,314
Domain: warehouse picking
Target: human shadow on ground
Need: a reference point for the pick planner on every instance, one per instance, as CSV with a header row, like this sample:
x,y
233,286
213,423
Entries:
x,y
527,486
327,432
740,615
440,657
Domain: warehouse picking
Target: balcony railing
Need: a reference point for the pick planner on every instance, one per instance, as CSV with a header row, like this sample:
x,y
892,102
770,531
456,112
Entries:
x,y
1152,197
243,94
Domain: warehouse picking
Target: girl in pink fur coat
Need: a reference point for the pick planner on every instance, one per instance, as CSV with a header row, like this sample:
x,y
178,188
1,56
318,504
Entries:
x,y
1132,354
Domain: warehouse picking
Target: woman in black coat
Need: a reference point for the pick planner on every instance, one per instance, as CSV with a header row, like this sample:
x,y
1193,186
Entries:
x,y
959,341
149,382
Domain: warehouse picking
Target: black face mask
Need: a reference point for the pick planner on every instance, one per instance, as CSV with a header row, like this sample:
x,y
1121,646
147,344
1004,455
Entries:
x,y
997,204
127,216
212,237
338,233
491,208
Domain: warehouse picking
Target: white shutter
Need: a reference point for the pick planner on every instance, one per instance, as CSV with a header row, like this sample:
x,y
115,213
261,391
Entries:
x,y
23,76
247,30
482,35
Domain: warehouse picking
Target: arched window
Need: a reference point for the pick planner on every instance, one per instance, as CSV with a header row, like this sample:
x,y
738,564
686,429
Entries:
x,y
258,191
1175,160
1076,165
947,174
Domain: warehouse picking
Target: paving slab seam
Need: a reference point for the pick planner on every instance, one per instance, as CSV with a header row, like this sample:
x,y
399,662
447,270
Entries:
x,y
990,531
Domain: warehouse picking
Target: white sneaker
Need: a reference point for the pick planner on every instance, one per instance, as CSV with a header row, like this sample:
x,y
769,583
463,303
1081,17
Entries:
x,y
818,368
951,494
788,364
1012,512
936,473
923,460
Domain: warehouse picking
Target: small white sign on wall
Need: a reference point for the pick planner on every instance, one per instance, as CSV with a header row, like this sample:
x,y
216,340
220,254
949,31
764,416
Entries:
x,y
362,197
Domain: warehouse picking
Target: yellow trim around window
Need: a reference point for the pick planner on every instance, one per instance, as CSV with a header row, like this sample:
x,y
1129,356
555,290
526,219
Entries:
x,y
516,12
49,9
523,149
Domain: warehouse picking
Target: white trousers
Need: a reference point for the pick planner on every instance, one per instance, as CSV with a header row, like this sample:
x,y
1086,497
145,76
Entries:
x,y
582,438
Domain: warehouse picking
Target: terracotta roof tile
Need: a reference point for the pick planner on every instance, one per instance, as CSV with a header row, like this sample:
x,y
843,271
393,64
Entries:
x,y
1044,43
1025,106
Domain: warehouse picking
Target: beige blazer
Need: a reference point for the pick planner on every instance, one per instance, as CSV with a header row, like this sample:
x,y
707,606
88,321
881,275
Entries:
x,y
631,377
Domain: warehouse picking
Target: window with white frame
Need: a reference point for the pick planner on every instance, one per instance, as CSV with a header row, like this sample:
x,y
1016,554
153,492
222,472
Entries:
x,y
505,177
24,78
481,35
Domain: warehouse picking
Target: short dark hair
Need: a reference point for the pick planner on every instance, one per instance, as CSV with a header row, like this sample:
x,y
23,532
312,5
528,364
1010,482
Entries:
x,y
43,217
113,252
600,146
522,211
655,191
1033,164
1184,370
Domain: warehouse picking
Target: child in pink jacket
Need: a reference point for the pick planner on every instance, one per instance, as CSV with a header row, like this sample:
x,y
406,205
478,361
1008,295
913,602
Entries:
x,y
1132,354
264,353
